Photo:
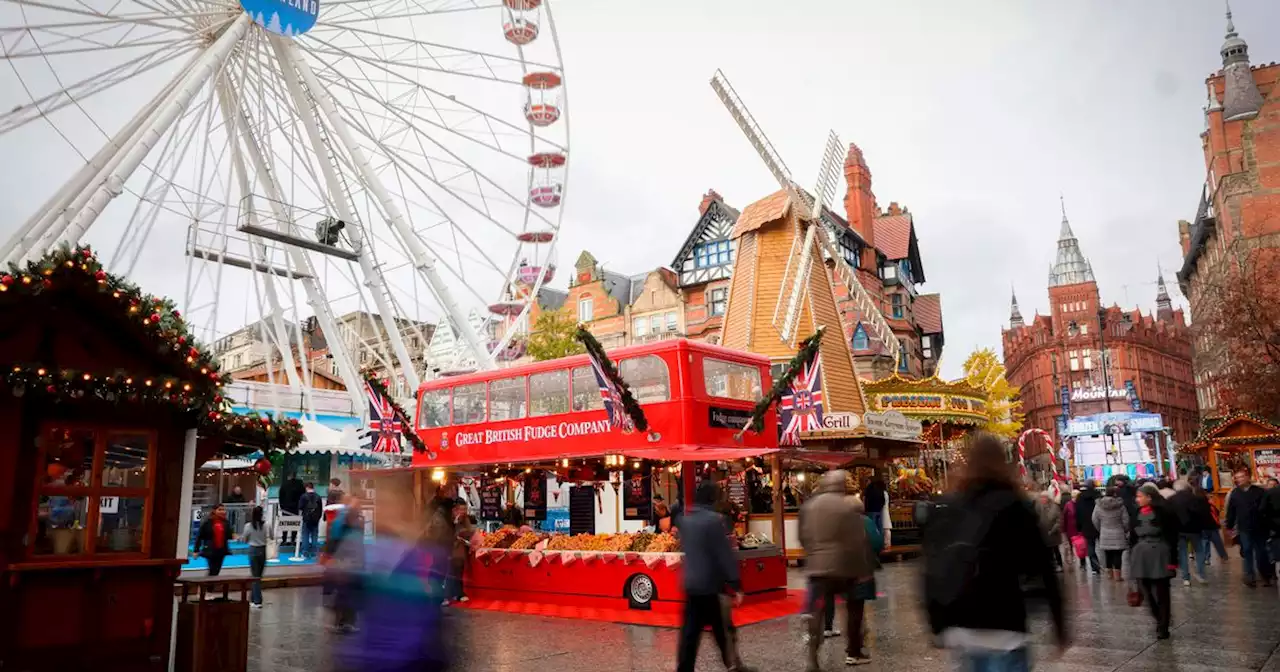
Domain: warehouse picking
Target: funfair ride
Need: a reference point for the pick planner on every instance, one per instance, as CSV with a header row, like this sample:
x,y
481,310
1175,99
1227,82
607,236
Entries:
x,y
296,161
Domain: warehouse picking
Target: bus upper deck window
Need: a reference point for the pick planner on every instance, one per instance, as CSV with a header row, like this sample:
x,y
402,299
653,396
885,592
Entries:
x,y
731,380
507,399
647,377
586,391
549,393
468,404
434,409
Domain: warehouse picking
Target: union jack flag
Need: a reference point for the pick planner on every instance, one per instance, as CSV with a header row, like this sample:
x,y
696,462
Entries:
x,y
801,407
384,425
612,398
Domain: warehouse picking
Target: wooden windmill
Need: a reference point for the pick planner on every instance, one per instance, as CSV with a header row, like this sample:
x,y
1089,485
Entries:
x,y
781,290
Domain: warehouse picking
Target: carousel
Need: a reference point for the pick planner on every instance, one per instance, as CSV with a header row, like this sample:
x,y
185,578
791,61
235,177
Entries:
x,y
946,413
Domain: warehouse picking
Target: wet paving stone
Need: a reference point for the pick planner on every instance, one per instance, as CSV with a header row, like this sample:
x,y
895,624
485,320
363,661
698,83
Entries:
x,y
1222,626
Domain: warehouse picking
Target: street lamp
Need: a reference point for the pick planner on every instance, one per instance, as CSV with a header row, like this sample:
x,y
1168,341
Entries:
x,y
1102,344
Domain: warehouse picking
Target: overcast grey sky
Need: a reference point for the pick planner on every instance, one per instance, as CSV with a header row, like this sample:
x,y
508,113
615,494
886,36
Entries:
x,y
973,114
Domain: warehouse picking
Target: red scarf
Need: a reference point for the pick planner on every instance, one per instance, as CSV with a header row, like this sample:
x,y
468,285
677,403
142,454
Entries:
x,y
1145,509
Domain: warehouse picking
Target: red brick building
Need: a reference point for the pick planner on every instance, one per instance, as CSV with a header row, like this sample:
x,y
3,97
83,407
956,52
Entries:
x,y
1240,205
1064,352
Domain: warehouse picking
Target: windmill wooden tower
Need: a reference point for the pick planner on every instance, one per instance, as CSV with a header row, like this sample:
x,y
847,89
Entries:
x,y
782,290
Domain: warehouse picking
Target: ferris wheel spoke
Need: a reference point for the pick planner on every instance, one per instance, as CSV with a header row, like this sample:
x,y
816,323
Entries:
x,y
368,10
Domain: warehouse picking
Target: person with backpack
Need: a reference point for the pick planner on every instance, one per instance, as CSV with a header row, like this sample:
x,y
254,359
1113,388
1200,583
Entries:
x,y
976,554
839,557
1085,504
312,509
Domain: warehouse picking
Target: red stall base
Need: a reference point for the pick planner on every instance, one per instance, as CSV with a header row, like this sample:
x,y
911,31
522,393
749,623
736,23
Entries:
x,y
607,581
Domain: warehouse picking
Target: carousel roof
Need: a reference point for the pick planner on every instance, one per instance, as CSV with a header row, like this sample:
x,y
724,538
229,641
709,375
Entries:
x,y
896,383
955,402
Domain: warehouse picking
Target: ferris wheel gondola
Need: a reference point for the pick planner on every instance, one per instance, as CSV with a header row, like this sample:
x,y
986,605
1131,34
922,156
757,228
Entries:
x,y
307,158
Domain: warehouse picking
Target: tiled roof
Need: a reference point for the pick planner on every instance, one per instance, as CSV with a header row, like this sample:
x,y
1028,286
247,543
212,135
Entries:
x,y
771,208
551,299
928,312
893,235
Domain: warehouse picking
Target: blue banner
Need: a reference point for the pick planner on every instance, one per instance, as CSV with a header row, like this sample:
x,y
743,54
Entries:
x,y
283,17
1132,391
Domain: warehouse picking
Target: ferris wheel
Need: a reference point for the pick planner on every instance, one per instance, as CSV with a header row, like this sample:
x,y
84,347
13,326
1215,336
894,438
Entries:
x,y
297,160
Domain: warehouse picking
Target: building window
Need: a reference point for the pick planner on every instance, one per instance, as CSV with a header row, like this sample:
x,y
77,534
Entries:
x,y
1075,362
898,310
655,324
93,493
1088,361
671,322
926,345
889,272
860,340
714,253
586,309
719,299
638,326
902,356
1084,328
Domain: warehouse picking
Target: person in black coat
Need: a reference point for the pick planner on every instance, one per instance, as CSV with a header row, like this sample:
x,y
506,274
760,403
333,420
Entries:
x,y
1191,507
1244,515
1085,505
213,541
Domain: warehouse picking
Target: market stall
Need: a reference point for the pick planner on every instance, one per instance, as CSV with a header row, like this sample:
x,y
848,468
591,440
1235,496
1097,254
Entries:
x,y
536,437
1233,441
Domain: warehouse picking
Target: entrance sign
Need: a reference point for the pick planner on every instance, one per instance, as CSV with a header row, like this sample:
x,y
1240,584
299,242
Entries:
x,y
109,504
283,17
893,425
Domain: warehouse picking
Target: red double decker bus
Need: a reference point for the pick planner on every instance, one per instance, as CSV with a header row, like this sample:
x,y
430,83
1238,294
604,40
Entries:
x,y
696,397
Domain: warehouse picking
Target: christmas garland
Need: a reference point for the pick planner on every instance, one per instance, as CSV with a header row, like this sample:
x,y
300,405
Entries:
x,y
253,429
629,403
808,350
158,321
405,419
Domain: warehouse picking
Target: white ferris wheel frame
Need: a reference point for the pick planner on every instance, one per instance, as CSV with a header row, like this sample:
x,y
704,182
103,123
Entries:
x,y
77,204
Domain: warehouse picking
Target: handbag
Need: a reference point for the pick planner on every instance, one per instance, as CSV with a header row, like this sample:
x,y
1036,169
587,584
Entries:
x,y
1080,546
1135,596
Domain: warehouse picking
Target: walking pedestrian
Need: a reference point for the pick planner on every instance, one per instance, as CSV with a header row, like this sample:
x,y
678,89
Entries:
x,y
344,562
1271,514
874,499
463,528
1085,505
1111,519
839,557
1244,516
1212,539
312,509
976,552
257,534
1050,517
1194,519
710,568
1154,560
213,540
1076,544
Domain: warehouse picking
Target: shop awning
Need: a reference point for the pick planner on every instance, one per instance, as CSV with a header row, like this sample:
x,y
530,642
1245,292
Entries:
x,y
681,452
831,459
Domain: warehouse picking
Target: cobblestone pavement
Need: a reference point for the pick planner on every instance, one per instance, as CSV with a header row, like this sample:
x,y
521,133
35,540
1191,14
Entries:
x,y
1222,626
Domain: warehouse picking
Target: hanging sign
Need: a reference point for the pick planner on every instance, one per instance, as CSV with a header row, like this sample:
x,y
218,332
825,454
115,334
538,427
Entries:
x,y
636,503
535,496
491,503
893,424
108,504
1134,402
1267,463
283,17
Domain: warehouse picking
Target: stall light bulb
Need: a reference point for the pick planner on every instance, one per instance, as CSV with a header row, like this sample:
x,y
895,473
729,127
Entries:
x,y
635,465
564,462
800,477
437,475
528,470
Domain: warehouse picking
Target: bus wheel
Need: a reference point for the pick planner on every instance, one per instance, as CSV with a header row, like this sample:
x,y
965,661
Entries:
x,y
640,591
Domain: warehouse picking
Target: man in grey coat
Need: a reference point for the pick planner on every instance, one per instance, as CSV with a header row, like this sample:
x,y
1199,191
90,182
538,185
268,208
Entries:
x,y
838,557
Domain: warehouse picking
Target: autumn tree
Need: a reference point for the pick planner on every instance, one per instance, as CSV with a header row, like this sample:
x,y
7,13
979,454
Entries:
x,y
984,370
552,337
1237,328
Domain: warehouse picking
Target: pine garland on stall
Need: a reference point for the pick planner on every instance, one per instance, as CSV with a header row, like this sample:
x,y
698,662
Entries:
x,y
808,350
156,320
406,421
629,403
